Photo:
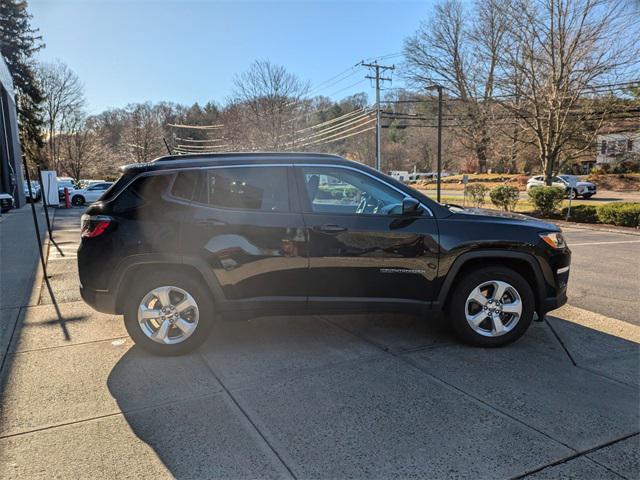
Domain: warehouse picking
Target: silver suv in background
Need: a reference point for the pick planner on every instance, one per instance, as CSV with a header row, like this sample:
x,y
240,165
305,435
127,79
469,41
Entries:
x,y
571,184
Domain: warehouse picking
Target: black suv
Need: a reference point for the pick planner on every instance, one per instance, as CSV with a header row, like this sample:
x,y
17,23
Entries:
x,y
179,240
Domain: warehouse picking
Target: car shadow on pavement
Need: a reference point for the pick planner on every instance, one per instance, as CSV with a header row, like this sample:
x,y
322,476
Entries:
x,y
179,407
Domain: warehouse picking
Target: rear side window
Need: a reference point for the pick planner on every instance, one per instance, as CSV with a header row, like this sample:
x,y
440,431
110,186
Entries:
x,y
184,185
142,191
246,188
116,187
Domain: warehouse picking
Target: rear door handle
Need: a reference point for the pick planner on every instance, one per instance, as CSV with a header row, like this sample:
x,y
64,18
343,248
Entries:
x,y
330,228
209,222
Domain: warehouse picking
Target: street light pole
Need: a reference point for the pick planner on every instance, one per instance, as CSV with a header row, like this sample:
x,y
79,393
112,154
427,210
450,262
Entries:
x,y
439,180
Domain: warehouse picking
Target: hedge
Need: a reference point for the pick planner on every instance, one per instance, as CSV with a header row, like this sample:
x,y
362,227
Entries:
x,y
582,213
624,214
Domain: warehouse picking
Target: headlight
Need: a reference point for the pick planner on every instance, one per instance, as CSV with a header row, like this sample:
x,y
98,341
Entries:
x,y
554,239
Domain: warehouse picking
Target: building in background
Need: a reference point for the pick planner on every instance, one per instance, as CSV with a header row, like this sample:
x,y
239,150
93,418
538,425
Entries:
x,y
11,177
613,146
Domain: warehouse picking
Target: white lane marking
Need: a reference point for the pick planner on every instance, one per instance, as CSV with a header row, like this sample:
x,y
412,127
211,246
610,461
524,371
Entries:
x,y
602,243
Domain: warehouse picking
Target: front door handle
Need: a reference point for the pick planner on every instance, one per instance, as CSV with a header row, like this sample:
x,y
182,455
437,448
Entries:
x,y
330,228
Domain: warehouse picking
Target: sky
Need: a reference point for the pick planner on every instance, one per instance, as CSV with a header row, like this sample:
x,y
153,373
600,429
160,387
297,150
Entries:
x,y
188,51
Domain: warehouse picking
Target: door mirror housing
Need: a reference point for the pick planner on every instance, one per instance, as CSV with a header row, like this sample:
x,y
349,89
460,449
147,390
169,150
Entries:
x,y
411,206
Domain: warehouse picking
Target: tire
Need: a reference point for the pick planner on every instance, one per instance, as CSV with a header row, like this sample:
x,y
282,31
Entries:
x,y
141,331
572,194
77,200
487,333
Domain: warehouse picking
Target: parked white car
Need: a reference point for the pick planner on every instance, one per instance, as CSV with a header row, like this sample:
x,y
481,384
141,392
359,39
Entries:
x,y
89,194
579,189
6,202
35,189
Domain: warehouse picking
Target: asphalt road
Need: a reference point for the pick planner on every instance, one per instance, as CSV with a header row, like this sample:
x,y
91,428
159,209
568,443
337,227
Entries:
x,y
605,273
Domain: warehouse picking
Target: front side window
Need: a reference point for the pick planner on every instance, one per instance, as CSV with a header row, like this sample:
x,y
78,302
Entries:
x,y
339,190
246,188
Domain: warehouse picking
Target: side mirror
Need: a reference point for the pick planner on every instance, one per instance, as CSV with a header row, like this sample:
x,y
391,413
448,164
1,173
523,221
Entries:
x,y
411,206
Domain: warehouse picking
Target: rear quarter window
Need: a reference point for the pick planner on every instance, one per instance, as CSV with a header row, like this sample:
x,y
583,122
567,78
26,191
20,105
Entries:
x,y
144,190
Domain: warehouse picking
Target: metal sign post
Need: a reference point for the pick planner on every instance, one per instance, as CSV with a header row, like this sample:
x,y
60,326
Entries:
x,y
573,184
465,181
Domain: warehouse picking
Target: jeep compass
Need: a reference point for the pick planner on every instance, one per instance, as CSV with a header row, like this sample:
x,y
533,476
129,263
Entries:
x,y
183,240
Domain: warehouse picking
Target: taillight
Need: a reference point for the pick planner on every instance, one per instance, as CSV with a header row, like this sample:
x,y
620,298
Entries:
x,y
94,225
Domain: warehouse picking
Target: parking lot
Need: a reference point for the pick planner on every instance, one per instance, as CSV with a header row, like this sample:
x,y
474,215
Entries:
x,y
366,396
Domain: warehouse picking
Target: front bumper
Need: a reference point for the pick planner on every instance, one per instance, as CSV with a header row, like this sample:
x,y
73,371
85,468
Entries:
x,y
100,300
551,303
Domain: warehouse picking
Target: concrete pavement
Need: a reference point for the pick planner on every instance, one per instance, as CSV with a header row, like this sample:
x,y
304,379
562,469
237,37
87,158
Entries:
x,y
366,396
18,264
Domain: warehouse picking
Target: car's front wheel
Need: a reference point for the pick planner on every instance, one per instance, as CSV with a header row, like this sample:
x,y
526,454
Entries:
x,y
491,307
77,200
168,314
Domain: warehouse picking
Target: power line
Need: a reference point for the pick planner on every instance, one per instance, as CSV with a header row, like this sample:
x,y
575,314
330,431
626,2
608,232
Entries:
x,y
328,83
336,129
333,120
198,140
337,134
196,127
347,136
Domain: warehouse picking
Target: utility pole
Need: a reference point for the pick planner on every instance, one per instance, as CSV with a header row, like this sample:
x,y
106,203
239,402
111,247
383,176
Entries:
x,y
378,68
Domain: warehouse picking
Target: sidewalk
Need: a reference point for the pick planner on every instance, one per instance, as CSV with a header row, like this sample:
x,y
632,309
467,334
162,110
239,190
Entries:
x,y
19,264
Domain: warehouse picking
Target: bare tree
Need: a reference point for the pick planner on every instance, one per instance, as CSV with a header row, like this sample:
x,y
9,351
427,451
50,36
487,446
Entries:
x,y
142,135
269,97
77,146
63,98
461,52
562,52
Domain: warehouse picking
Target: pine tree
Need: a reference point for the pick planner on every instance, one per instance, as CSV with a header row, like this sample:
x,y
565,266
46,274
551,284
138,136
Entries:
x,y
18,42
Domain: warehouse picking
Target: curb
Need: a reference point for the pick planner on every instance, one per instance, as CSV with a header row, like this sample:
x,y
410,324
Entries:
x,y
597,227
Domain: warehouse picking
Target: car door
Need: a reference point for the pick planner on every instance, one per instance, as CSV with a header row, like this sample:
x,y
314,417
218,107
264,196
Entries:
x,y
559,182
94,192
245,226
361,248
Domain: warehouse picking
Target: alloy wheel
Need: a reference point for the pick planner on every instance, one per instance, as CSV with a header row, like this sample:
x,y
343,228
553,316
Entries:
x,y
493,308
168,315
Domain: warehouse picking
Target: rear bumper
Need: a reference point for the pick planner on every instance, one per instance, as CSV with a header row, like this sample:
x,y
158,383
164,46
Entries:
x,y
100,300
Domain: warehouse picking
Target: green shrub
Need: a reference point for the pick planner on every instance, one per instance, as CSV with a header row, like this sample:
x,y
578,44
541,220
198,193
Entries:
x,y
624,214
582,213
505,197
546,199
478,194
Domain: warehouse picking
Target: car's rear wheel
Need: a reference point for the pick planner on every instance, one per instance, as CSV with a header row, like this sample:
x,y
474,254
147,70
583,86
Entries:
x,y
168,314
491,307
77,200
573,194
